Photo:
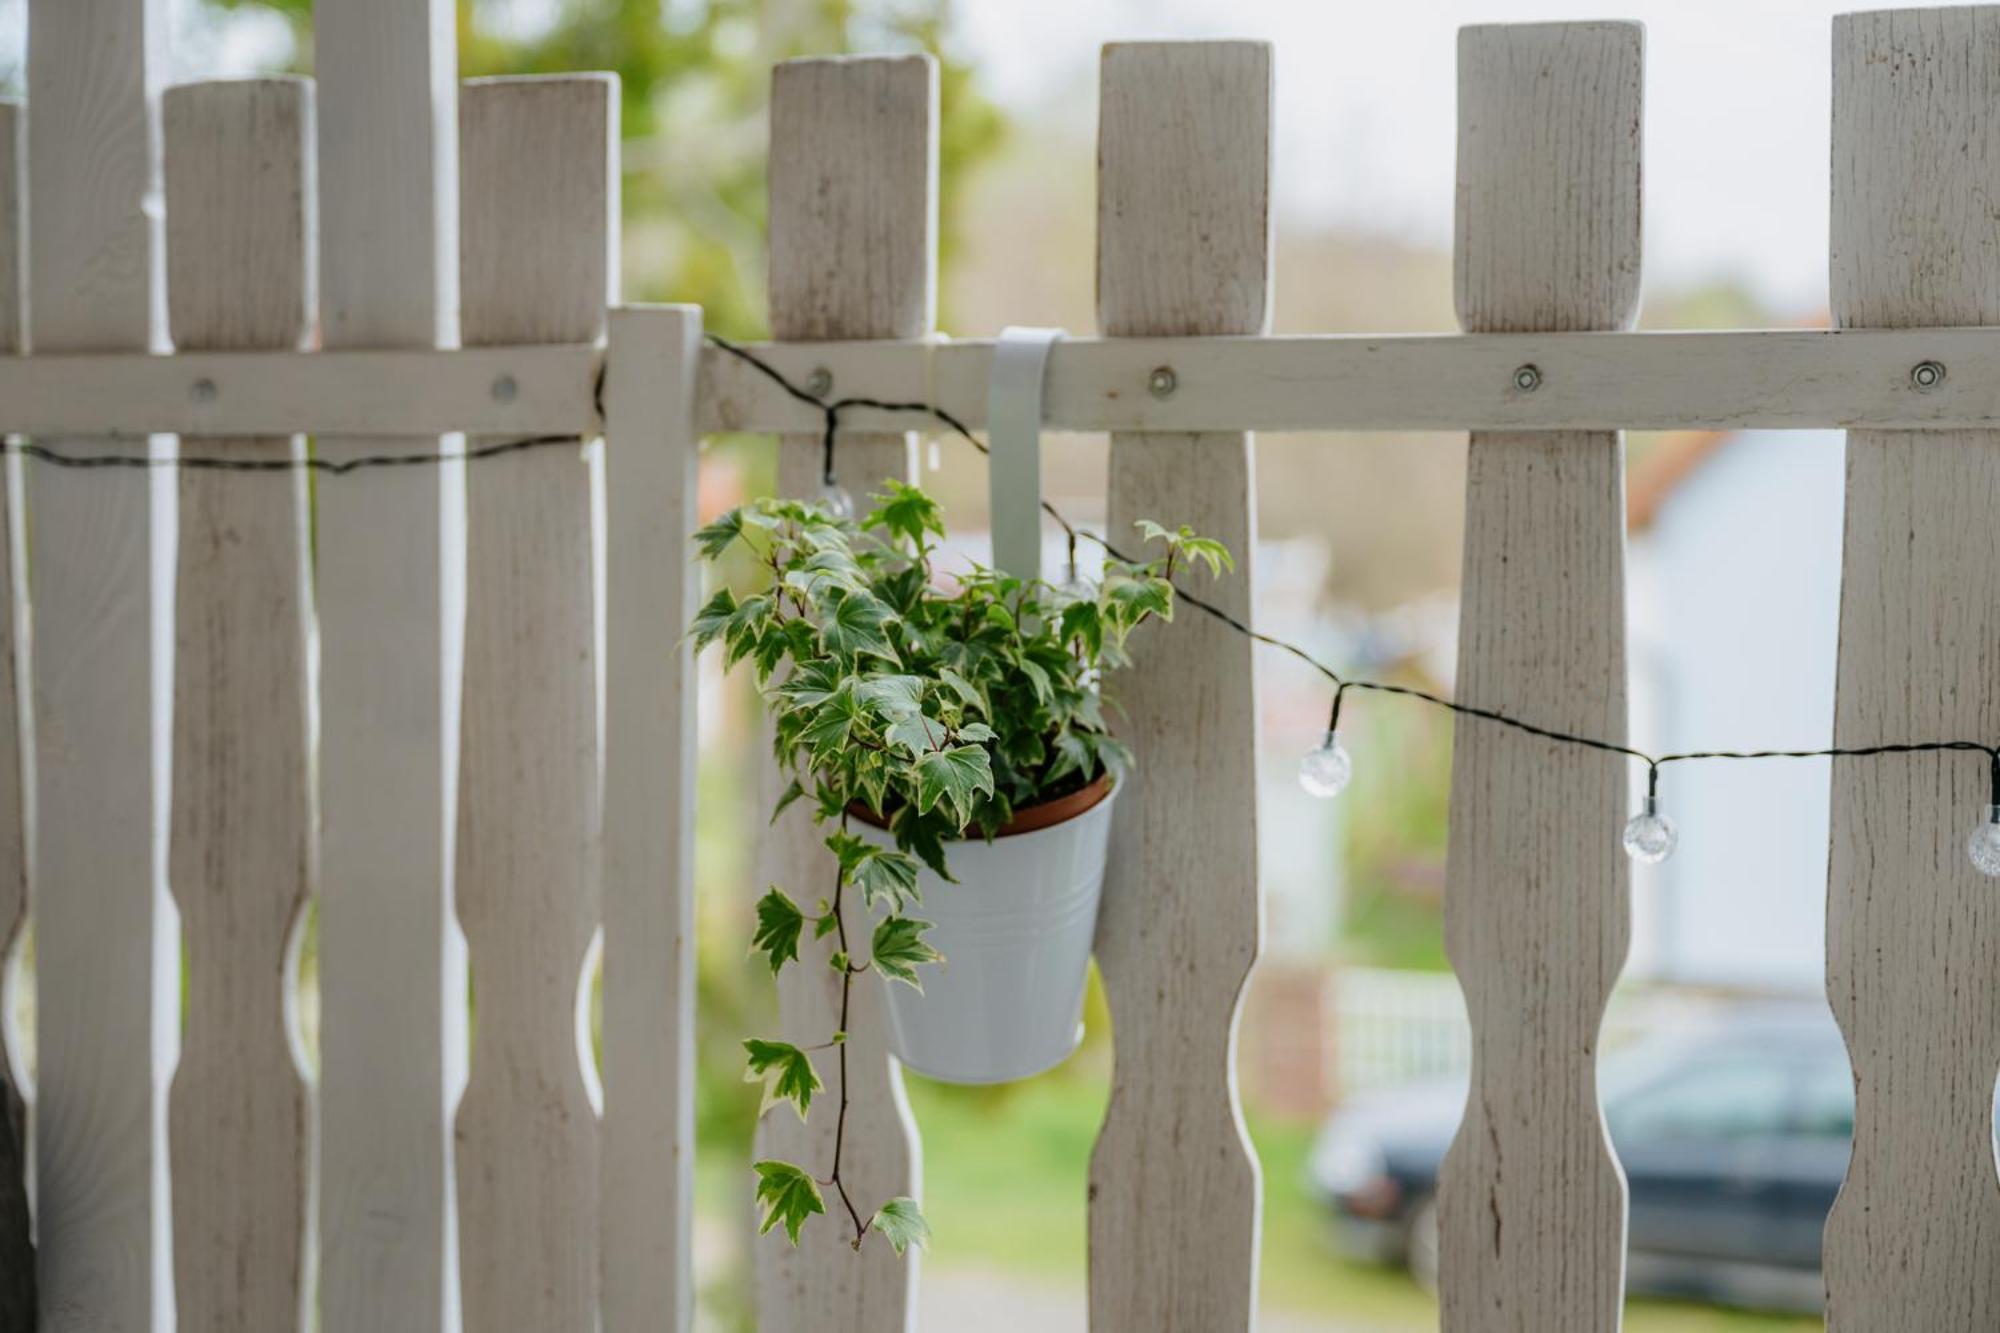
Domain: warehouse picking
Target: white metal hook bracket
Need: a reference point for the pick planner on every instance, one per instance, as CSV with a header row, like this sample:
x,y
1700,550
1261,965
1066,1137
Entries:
x,y
1014,447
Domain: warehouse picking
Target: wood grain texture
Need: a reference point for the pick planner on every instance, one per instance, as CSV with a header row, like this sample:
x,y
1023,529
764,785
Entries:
x,y
1531,1202
106,957
1518,83
651,452
240,225
1785,379
389,566
384,394
1183,248
537,255
853,236
13,815
17,1254
1913,932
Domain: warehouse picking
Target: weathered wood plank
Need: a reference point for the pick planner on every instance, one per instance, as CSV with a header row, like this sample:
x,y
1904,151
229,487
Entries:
x,y
240,223
537,264
650,455
13,822
17,1253
106,971
853,241
389,567
1183,249
1913,932
1531,1203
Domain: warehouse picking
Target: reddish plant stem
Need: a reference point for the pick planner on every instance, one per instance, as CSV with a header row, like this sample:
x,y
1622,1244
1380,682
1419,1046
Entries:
x,y
846,998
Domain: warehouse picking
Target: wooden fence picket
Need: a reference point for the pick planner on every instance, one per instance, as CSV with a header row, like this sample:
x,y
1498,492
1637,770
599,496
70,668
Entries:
x,y
853,238
392,969
240,222
650,455
105,954
1531,1203
1913,933
538,260
1183,248
13,814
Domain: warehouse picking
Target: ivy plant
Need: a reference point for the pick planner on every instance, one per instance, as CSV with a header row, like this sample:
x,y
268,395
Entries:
x,y
935,708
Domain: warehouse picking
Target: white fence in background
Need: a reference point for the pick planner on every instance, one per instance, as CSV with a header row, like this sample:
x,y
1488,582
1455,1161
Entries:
x,y
383,689
1387,1026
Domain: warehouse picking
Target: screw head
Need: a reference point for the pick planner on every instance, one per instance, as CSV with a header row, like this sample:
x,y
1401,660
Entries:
x,y
504,389
1162,382
203,391
1527,379
1927,374
820,383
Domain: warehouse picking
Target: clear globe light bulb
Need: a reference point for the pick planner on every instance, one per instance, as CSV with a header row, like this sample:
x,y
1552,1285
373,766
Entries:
x,y
1983,846
1075,587
1650,836
1325,771
834,499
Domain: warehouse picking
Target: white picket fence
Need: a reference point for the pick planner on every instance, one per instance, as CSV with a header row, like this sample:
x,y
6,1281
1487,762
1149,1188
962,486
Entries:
x,y
402,690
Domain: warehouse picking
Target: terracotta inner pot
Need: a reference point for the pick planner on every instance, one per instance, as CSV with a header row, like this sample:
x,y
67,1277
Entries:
x,y
1027,820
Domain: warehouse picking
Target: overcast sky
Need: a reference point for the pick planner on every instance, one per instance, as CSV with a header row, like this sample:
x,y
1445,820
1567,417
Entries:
x,y
1736,108
1736,111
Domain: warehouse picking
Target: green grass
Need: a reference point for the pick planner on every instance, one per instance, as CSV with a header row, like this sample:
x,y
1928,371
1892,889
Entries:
x,y
1004,1186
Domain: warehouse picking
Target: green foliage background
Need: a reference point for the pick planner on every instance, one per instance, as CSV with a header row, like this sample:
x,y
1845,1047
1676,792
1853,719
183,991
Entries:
x,y
696,80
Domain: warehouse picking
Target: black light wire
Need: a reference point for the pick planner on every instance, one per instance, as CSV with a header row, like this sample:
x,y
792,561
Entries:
x,y
831,409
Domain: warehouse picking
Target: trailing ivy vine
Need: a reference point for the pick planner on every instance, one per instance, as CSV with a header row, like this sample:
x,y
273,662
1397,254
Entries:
x,y
933,709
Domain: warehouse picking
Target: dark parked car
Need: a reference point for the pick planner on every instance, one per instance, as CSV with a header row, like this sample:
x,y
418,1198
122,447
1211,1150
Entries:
x,y
1734,1140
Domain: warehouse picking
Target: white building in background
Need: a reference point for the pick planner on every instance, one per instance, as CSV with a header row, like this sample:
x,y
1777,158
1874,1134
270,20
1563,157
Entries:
x,y
1733,606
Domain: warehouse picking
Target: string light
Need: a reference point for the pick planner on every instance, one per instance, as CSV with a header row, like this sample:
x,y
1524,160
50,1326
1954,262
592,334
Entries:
x,y
1327,768
1983,845
835,500
1074,586
1650,836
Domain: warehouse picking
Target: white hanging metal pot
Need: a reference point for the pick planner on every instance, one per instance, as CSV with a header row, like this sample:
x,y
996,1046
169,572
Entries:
x,y
1015,932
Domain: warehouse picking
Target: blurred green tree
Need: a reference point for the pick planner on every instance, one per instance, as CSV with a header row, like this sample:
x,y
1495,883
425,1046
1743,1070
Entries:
x,y
696,81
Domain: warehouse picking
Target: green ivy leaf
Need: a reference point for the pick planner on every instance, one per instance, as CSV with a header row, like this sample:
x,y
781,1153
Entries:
x,y
854,626
1138,598
779,922
714,539
902,1224
880,873
786,1072
713,618
963,688
917,734
1083,625
788,1195
905,511
924,835
953,776
831,723
793,790
891,698
898,949
1210,552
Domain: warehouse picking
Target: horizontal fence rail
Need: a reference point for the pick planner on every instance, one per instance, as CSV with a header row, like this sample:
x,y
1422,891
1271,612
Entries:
x,y
515,390
1763,379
